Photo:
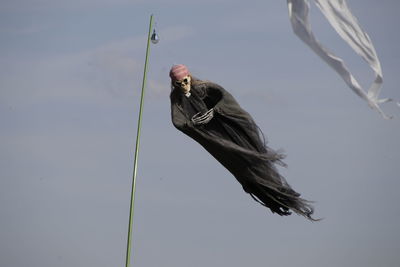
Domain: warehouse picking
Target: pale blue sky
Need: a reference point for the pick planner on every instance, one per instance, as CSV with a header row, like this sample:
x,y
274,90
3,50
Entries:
x,y
70,81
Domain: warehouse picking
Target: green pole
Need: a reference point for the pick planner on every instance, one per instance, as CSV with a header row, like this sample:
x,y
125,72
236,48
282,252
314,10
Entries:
x,y
129,243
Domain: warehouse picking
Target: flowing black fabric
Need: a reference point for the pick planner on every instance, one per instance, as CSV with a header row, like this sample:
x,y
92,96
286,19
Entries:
x,y
235,140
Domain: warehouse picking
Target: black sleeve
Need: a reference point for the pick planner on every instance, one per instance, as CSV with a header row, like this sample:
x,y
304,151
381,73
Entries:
x,y
214,96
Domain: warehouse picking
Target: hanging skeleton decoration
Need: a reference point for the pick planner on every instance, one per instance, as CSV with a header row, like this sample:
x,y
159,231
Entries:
x,y
211,116
346,25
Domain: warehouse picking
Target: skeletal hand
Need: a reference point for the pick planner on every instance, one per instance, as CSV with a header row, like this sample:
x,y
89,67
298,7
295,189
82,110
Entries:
x,y
200,119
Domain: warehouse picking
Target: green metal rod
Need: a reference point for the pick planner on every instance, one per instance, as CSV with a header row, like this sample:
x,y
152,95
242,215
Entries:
x,y
129,243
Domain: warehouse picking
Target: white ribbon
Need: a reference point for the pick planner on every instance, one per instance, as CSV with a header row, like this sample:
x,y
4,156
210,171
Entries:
x,y
346,25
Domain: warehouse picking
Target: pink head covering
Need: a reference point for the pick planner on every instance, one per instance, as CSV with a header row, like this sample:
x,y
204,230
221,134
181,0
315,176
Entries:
x,y
177,72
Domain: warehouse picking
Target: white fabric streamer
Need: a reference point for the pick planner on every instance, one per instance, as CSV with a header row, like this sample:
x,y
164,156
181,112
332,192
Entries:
x,y
346,25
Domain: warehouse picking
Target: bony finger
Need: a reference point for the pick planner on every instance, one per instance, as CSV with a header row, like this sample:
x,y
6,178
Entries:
x,y
200,121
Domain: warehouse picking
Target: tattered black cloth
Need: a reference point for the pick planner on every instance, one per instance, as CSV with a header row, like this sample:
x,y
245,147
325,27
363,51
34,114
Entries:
x,y
235,140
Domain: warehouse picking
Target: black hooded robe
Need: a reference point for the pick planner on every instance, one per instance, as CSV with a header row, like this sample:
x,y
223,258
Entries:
x,y
234,139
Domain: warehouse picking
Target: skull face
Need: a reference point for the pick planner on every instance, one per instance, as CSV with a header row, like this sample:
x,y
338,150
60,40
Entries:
x,y
184,84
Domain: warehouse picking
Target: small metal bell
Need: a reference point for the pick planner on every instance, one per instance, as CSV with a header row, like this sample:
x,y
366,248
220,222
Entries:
x,y
154,37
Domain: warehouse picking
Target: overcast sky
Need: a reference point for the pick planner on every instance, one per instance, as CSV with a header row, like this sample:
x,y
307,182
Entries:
x,y
70,79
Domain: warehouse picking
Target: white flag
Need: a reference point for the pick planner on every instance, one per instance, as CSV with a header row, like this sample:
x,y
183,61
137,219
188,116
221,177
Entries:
x,y
347,26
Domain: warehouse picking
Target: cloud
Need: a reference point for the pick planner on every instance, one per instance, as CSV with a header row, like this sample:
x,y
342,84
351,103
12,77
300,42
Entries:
x,y
114,67
35,5
158,89
175,33
23,30
111,69
255,18
118,65
40,5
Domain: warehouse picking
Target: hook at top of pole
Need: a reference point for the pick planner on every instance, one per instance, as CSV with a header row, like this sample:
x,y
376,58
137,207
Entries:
x,y
154,37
